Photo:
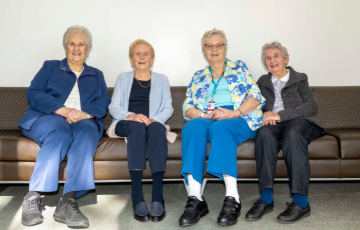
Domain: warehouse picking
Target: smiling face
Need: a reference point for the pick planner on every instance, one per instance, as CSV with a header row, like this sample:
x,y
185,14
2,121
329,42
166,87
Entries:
x,y
275,62
215,55
142,59
76,49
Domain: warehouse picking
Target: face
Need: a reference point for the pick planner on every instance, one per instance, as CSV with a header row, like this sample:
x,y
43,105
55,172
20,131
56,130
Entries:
x,y
215,55
76,49
275,61
142,59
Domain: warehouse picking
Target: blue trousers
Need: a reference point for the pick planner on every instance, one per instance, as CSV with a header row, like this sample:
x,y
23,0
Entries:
x,y
57,139
138,135
224,136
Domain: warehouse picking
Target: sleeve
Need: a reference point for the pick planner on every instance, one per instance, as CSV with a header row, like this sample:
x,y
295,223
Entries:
x,y
98,107
307,108
36,94
189,103
168,110
252,89
115,107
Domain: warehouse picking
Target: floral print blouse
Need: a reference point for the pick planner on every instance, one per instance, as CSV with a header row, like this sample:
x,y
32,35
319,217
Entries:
x,y
241,86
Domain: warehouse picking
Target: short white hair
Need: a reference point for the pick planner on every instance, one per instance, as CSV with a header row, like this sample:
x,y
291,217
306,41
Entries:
x,y
78,29
273,45
210,33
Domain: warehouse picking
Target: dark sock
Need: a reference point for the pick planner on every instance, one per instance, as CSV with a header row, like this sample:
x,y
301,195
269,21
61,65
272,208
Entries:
x,y
32,193
137,192
157,191
300,199
267,195
66,197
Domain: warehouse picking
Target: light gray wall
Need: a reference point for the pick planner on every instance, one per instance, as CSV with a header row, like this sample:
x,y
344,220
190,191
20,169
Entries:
x,y
322,36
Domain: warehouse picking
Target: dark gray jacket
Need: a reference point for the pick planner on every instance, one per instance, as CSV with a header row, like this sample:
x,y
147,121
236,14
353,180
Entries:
x,y
297,97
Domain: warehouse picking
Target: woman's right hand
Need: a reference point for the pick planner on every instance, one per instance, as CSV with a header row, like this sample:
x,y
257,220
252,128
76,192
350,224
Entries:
x,y
71,114
139,118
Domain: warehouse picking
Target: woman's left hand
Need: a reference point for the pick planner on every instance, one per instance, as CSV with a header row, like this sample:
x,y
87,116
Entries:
x,y
221,113
271,118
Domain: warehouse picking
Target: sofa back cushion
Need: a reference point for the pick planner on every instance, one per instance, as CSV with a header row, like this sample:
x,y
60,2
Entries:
x,y
338,107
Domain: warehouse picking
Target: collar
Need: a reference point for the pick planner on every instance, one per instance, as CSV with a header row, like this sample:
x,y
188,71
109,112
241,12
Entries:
x,y
283,79
87,70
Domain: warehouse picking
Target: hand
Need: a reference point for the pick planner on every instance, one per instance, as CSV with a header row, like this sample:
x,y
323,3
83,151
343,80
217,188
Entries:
x,y
71,114
271,118
209,115
221,113
139,118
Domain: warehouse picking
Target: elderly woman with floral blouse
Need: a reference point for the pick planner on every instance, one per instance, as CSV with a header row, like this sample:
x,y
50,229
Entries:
x,y
223,105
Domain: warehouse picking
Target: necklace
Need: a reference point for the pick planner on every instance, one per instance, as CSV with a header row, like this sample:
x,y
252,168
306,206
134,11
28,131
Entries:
x,y
142,85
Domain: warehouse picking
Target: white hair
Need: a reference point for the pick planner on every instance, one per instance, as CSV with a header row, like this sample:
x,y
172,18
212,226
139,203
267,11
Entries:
x,y
78,29
273,45
210,33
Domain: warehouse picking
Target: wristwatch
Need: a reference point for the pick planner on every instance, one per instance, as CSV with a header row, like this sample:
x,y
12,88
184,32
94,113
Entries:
x,y
241,114
87,115
201,114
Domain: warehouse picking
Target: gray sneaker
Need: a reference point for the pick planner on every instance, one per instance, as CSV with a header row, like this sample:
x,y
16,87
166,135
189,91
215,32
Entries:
x,y
70,214
31,214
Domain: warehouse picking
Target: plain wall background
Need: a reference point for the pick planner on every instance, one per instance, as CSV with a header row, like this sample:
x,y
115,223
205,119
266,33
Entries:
x,y
322,36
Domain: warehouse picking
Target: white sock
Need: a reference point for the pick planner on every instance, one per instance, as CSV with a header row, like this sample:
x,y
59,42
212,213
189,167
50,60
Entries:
x,y
231,187
194,187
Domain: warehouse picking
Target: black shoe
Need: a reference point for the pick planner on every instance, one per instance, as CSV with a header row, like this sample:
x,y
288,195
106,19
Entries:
x,y
293,213
194,210
70,214
141,212
230,212
157,211
259,209
31,213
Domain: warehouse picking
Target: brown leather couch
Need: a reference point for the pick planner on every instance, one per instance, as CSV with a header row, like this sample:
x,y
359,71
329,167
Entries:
x,y
334,155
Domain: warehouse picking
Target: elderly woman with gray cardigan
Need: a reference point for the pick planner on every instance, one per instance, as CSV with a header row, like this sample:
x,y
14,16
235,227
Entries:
x,y
290,122
140,106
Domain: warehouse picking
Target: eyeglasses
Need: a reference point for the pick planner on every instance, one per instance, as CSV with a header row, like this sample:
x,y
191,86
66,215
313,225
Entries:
x,y
73,45
217,46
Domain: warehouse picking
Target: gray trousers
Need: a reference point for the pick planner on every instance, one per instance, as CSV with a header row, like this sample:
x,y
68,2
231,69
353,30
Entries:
x,y
293,137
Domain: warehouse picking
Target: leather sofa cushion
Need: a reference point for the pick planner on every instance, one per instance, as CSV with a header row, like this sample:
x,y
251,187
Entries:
x,y
349,141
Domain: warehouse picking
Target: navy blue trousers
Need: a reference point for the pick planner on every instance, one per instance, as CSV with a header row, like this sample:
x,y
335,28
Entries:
x,y
293,137
224,136
57,139
138,135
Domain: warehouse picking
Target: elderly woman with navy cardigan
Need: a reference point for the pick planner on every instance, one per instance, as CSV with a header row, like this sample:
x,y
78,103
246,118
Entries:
x,y
68,100
140,106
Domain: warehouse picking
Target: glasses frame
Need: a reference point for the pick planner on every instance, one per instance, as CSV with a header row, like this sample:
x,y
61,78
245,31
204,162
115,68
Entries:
x,y
216,46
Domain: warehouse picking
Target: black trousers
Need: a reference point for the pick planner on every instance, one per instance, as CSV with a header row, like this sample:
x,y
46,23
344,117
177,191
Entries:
x,y
138,135
293,137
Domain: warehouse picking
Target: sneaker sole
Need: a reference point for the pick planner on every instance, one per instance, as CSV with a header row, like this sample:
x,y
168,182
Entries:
x,y
295,221
62,220
33,223
255,219
189,224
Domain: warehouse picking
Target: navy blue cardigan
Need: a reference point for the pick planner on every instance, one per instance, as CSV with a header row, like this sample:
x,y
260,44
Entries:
x,y
52,85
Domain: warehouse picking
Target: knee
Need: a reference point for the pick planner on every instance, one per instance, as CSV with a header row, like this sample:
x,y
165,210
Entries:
x,y
62,136
264,133
196,126
137,128
157,128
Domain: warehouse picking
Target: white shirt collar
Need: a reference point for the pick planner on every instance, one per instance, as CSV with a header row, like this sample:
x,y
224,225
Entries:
x,y
283,79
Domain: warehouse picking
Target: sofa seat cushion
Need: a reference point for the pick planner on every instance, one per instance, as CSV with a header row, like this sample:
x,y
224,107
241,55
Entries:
x,y
349,141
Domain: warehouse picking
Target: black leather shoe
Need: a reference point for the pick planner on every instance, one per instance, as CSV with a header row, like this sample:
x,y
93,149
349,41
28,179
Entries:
x,y
293,213
259,209
141,212
157,211
31,213
230,212
194,210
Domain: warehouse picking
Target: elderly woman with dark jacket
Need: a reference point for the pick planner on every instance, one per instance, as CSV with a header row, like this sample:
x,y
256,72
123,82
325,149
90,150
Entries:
x,y
290,122
68,100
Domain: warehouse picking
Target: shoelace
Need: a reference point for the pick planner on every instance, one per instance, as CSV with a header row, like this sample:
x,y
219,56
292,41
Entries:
x,y
33,205
72,207
291,205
